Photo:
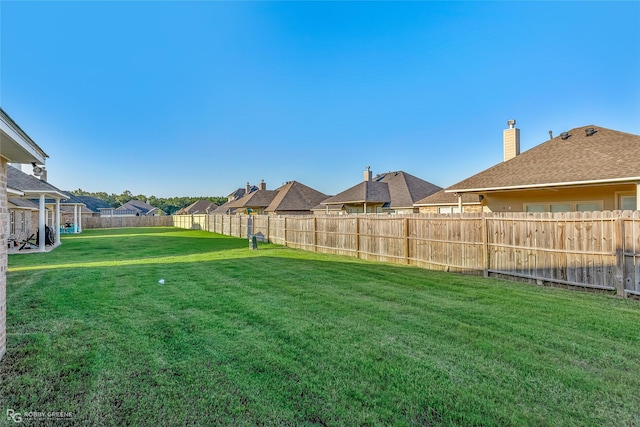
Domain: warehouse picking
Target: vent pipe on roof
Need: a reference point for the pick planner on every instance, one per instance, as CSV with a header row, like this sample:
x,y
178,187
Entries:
x,y
367,174
590,131
511,141
550,134
565,135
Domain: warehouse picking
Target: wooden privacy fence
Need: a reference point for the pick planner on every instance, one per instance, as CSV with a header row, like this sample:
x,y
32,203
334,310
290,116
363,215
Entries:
x,y
126,221
599,250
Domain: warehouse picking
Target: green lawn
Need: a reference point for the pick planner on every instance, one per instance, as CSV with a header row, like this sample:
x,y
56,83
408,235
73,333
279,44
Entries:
x,y
285,337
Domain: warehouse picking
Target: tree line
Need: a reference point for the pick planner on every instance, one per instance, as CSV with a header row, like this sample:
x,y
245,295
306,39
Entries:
x,y
169,205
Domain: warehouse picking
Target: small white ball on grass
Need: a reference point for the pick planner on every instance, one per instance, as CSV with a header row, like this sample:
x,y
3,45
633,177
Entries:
x,y
161,281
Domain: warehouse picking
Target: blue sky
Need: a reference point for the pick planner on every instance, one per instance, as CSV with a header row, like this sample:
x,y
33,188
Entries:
x,y
197,98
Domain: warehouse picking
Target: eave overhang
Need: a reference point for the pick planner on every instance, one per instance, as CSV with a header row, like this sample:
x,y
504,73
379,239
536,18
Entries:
x,y
630,180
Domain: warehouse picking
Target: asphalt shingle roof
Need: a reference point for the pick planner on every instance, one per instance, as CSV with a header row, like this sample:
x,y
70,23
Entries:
x,y
607,155
256,199
199,207
22,203
139,206
294,196
28,183
393,189
93,203
223,208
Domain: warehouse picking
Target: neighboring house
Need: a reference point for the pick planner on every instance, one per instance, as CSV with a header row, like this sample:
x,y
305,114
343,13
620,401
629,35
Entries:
x,y
391,192
225,208
588,168
17,147
200,207
448,203
254,202
294,198
133,208
93,205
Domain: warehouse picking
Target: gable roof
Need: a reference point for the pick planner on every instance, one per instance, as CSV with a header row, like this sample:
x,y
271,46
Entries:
x,y
607,156
392,189
294,196
443,198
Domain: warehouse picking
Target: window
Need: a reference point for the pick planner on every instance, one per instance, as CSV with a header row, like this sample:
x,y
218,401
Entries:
x,y
628,203
588,207
23,222
448,210
12,223
534,208
564,207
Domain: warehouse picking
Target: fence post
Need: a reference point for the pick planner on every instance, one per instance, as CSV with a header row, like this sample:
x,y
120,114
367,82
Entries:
x,y
285,230
406,240
315,239
485,246
619,236
268,231
357,237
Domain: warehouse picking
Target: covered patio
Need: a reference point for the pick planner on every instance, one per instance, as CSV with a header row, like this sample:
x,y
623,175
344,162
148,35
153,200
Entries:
x,y
46,197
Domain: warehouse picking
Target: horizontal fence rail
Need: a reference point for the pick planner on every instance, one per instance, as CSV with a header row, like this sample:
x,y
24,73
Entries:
x,y
597,250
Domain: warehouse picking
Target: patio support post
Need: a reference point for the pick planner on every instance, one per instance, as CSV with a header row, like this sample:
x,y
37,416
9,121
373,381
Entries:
x,y
57,227
75,218
41,224
79,219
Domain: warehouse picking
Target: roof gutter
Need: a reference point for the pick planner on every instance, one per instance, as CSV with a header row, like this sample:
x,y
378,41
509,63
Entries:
x,y
54,194
543,186
14,192
446,204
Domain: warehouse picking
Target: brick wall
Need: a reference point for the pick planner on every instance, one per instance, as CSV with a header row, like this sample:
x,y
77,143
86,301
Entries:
x,y
4,225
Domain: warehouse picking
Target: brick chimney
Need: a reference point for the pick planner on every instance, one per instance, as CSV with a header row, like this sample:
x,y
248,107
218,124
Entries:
x,y
511,139
367,174
262,185
247,189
